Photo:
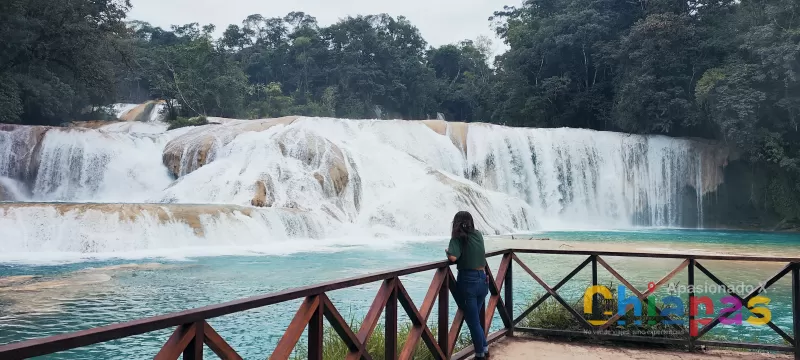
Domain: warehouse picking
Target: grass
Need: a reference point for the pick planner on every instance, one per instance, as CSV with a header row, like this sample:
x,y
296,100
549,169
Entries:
x,y
335,348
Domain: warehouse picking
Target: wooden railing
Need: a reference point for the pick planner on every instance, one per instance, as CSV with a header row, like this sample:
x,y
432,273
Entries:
x,y
192,331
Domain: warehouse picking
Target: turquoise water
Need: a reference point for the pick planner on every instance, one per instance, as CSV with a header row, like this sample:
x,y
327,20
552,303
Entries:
x,y
741,239
88,294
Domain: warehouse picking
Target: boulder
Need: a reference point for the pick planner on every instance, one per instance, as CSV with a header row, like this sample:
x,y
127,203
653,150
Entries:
x,y
264,196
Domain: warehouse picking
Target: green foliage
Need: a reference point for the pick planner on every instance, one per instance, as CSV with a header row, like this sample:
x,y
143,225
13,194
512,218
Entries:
x,y
707,83
783,189
97,113
183,122
57,58
195,72
10,102
658,60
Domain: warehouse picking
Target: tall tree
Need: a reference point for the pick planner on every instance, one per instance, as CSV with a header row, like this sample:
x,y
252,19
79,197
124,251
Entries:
x,y
58,59
559,69
754,96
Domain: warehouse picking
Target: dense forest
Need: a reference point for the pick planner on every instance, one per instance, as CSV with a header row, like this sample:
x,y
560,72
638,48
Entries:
x,y
718,69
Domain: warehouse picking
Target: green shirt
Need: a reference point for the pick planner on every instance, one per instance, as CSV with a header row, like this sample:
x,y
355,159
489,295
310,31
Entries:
x,y
469,251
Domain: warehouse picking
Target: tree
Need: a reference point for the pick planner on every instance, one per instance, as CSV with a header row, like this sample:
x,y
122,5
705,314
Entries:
x,y
58,59
754,96
559,69
190,71
464,80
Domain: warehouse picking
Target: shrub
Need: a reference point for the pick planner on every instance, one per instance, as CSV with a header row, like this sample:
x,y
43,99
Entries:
x,y
183,122
552,315
334,347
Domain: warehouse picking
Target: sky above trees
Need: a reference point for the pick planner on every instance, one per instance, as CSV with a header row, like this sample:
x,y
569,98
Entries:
x,y
440,22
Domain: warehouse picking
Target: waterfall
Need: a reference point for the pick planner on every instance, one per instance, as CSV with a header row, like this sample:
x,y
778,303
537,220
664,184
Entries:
x,y
312,178
699,191
575,178
88,166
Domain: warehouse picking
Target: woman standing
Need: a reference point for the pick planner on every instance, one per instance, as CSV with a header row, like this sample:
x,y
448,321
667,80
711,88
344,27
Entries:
x,y
466,249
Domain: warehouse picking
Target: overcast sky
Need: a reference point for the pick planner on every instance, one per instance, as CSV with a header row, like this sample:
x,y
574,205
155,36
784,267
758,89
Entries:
x,y
439,21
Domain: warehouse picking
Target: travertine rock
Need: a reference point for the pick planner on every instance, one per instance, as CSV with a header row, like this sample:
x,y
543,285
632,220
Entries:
x,y
264,196
193,149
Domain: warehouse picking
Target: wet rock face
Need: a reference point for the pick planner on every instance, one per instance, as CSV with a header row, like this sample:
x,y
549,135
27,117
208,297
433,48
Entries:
x,y
142,112
264,196
195,148
5,194
456,131
20,150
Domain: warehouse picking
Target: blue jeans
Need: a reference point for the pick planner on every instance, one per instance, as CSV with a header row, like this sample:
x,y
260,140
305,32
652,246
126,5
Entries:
x,y
473,287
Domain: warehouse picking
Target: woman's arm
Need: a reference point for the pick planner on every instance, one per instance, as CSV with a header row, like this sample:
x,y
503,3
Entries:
x,y
453,250
450,257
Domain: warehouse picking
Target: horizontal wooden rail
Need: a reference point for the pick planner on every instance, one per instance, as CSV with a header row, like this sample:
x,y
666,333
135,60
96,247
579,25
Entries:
x,y
192,331
660,256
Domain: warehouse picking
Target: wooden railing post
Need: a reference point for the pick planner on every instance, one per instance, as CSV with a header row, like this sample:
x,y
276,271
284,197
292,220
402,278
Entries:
x,y
444,313
391,324
194,351
509,297
597,305
796,308
315,336
691,296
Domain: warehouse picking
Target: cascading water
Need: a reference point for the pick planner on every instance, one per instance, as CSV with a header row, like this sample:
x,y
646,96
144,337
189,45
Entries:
x,y
575,178
92,166
332,179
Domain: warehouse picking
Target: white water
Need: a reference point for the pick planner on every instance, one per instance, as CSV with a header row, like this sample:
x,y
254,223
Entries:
x,y
403,179
93,166
390,186
43,229
577,178
122,109
13,188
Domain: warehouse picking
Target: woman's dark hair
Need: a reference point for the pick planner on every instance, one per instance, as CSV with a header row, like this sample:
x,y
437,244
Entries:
x,y
462,225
